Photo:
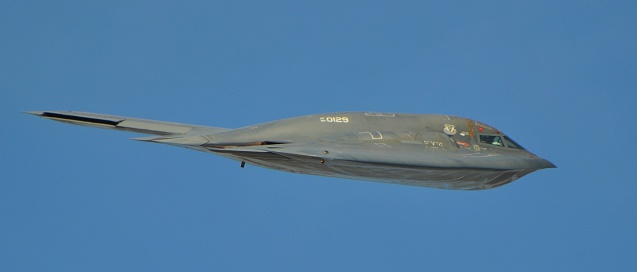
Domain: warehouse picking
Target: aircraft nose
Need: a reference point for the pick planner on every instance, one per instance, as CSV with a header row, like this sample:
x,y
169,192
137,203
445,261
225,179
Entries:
x,y
542,163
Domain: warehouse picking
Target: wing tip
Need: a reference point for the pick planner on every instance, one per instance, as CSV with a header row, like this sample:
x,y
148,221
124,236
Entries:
x,y
36,113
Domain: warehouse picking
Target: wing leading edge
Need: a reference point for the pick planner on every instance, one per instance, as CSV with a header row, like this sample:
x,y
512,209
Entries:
x,y
125,123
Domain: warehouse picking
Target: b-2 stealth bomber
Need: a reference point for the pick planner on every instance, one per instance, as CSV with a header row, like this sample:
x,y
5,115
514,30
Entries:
x,y
439,151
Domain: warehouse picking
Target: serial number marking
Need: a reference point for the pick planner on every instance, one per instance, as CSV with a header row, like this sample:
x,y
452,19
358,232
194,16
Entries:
x,y
334,119
433,143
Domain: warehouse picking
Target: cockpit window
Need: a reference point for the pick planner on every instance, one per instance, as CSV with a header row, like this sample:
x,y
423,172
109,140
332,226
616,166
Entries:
x,y
511,143
492,140
500,140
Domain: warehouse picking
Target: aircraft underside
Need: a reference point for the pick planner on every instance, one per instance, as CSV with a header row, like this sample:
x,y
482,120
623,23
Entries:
x,y
443,178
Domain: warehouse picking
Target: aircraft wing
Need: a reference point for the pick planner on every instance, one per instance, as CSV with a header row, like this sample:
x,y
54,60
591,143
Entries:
x,y
125,123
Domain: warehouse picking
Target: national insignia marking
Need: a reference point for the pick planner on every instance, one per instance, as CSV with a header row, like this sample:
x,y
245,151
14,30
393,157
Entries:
x,y
450,129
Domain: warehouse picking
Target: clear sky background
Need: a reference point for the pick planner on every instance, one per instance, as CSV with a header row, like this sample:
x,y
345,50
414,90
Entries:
x,y
558,76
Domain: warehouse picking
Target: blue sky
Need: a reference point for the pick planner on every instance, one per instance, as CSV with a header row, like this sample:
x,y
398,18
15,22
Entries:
x,y
557,76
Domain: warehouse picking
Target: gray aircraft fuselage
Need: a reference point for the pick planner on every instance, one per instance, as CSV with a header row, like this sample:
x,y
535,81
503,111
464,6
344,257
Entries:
x,y
439,151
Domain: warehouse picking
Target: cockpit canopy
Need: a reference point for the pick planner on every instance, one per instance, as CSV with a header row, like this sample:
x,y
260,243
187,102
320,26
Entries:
x,y
499,140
